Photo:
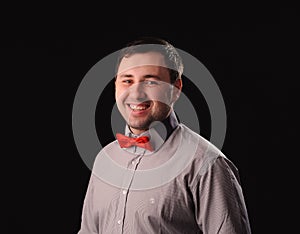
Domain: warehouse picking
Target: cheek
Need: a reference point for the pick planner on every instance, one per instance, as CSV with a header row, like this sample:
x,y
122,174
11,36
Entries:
x,y
119,94
161,95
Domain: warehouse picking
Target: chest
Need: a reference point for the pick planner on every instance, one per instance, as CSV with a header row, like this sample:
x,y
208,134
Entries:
x,y
169,202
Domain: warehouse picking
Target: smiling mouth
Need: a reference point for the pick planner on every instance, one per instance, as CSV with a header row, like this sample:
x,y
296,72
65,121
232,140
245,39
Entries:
x,y
139,107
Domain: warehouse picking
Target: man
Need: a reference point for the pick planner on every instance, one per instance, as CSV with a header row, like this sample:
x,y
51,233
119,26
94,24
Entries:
x,y
160,177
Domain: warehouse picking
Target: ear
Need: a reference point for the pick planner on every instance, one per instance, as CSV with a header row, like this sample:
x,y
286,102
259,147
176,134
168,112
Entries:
x,y
176,90
178,84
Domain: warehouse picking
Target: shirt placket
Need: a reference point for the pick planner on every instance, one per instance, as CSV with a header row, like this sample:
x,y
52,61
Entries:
x,y
127,181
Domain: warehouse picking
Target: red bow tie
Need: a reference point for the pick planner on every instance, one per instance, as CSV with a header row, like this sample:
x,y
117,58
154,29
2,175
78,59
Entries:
x,y
126,141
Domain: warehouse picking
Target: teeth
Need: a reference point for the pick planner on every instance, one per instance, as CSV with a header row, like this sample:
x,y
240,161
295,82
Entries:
x,y
138,107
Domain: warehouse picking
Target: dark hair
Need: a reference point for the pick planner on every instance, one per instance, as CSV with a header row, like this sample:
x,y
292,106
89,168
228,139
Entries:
x,y
143,45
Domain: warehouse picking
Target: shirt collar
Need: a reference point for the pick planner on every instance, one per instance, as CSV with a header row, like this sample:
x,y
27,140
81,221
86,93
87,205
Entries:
x,y
158,133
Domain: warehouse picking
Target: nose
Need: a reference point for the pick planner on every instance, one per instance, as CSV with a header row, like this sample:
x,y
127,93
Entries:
x,y
137,91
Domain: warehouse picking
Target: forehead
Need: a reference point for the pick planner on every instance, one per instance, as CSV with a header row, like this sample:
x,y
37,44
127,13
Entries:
x,y
141,59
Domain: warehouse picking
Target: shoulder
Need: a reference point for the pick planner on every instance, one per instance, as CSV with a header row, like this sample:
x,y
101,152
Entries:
x,y
206,155
110,149
111,146
204,147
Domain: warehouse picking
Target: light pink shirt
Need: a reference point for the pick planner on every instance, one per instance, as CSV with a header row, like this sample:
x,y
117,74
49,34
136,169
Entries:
x,y
205,196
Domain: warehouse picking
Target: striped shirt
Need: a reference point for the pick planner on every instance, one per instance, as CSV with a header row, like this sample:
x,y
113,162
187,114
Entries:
x,y
185,186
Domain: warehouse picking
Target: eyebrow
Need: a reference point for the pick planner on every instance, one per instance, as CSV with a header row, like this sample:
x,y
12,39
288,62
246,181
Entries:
x,y
145,76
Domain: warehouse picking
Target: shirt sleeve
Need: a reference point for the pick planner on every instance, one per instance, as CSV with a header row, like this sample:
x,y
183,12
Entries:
x,y
219,201
88,217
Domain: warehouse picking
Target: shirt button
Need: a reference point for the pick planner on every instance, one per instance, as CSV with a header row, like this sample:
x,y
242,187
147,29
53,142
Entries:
x,y
124,192
119,221
152,200
133,162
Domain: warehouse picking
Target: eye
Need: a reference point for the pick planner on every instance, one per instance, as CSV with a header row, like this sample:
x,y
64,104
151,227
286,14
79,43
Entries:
x,y
150,83
126,81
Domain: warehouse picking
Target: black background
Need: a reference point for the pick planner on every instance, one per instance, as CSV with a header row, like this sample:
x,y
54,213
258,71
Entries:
x,y
250,53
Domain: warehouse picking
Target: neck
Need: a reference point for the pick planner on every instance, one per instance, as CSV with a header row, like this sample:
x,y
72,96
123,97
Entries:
x,y
169,124
137,131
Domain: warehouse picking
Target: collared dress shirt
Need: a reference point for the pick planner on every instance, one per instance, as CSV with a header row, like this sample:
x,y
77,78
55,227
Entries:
x,y
185,186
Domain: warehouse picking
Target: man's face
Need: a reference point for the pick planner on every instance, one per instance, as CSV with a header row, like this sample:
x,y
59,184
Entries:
x,y
143,90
